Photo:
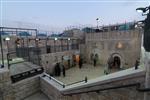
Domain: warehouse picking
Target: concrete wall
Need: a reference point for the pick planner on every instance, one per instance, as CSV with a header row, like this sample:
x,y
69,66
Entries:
x,y
53,90
107,43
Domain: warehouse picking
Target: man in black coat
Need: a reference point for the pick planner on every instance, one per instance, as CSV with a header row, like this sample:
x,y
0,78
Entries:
x,y
57,70
80,63
63,70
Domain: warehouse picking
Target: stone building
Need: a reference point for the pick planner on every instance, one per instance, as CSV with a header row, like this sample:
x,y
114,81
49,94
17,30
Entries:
x,y
123,45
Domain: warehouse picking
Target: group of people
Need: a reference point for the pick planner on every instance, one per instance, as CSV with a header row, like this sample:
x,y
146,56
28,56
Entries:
x,y
58,69
94,58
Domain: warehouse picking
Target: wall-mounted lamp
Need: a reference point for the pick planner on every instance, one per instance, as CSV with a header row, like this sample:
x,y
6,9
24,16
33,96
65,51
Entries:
x,y
37,39
119,45
7,38
68,38
146,36
143,10
56,39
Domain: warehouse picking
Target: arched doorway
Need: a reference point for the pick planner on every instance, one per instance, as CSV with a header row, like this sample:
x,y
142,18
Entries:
x,y
115,61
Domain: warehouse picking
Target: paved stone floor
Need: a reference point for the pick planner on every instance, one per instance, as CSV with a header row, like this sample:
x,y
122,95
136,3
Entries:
x,y
75,74
37,96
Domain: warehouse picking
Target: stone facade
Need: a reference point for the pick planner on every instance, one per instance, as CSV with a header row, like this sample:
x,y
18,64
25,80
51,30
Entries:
x,y
48,61
124,44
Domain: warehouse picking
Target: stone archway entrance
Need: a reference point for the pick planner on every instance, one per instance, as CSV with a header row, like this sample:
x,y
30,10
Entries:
x,y
115,61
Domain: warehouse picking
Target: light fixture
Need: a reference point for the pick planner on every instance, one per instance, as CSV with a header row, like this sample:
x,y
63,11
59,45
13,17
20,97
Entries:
x,y
97,19
7,38
68,38
146,36
37,39
143,10
56,39
119,45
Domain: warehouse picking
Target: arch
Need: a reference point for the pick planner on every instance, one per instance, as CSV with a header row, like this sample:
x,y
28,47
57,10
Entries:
x,y
115,55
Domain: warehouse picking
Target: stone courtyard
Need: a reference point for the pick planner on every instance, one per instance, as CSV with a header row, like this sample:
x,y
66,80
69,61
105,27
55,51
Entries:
x,y
75,74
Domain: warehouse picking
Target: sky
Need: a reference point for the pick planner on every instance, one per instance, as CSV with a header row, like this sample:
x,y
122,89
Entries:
x,y
59,14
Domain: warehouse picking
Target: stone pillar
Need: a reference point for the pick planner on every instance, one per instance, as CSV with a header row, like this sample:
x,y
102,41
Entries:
x,y
147,78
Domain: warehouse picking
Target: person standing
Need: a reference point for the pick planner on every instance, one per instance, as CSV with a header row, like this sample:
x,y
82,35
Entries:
x,y
57,70
137,64
63,70
94,60
80,63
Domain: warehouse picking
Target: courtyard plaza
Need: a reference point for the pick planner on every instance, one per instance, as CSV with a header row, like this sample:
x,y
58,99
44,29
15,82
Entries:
x,y
75,74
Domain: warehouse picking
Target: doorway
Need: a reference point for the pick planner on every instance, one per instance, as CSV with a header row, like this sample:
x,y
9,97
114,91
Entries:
x,y
115,61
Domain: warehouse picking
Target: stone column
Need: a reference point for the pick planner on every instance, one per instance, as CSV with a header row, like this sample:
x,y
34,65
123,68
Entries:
x,y
147,78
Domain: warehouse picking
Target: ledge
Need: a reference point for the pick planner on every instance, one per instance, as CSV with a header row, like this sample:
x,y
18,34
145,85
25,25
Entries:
x,y
121,75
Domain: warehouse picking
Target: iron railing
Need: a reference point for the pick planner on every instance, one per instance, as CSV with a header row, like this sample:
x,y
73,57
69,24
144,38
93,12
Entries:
x,y
63,84
55,80
85,80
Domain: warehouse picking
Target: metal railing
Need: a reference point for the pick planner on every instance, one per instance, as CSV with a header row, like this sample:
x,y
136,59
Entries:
x,y
9,59
85,80
55,80
63,84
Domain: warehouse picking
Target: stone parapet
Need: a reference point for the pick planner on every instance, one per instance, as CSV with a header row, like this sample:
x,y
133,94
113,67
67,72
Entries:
x,y
54,91
26,87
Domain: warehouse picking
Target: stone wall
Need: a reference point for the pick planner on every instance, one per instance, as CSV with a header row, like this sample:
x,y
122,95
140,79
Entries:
x,y
127,44
19,90
53,90
49,60
26,87
5,85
